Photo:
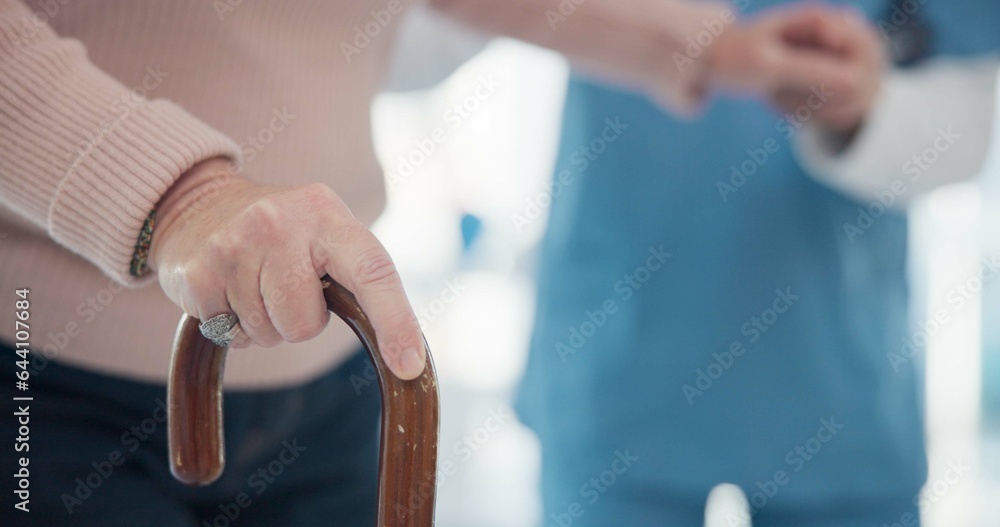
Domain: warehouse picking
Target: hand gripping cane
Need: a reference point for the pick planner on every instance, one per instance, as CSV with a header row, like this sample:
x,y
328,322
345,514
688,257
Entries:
x,y
408,449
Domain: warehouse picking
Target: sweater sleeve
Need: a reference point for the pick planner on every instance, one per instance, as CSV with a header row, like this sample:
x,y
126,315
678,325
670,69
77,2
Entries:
x,y
660,47
81,155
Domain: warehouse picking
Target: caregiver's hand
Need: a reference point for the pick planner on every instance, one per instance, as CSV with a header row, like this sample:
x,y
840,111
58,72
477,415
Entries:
x,y
788,55
224,244
846,36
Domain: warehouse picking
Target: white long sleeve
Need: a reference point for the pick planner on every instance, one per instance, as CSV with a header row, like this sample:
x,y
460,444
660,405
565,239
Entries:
x,y
930,126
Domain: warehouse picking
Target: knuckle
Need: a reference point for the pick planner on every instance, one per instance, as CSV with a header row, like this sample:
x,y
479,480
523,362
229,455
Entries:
x,y
315,193
325,245
259,222
319,191
253,321
197,280
263,217
323,199
267,339
226,245
306,329
258,328
375,267
241,341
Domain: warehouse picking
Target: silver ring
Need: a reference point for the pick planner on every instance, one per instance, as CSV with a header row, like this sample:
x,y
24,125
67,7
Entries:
x,y
221,329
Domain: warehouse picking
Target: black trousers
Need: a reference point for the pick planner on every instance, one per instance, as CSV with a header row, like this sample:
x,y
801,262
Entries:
x,y
304,456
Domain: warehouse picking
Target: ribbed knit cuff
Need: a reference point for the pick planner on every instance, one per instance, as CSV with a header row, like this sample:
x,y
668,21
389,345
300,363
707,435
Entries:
x,y
100,207
80,153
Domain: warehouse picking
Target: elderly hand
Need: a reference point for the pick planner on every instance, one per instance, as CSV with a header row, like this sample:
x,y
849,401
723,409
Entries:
x,y
224,244
787,55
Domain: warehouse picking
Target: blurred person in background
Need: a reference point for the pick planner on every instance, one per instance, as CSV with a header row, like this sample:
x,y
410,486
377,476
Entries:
x,y
714,308
222,150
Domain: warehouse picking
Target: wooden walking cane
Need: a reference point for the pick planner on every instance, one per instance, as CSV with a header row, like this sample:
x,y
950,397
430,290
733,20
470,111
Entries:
x,y
408,450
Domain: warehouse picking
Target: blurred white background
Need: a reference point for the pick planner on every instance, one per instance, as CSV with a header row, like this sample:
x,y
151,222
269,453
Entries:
x,y
467,149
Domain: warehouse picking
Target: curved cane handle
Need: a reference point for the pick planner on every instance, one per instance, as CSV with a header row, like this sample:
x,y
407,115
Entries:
x,y
408,449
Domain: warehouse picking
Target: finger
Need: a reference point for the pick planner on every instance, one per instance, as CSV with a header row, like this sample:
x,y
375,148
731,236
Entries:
x,y
293,297
800,26
789,100
352,255
799,59
804,70
857,20
847,32
872,48
842,119
247,302
241,340
799,105
200,294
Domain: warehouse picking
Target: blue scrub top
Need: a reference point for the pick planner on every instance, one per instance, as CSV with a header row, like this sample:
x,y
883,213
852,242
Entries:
x,y
711,314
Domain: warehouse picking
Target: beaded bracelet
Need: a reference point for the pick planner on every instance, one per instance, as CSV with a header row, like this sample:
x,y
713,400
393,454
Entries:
x,y
138,267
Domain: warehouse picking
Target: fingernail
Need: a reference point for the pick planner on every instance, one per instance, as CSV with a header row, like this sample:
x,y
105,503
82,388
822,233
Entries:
x,y
411,363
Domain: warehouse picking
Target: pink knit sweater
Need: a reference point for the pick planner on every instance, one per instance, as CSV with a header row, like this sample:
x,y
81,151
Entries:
x,y
103,106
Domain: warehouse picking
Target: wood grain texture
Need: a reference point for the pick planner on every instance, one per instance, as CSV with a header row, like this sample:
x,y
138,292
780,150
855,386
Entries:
x,y
410,414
